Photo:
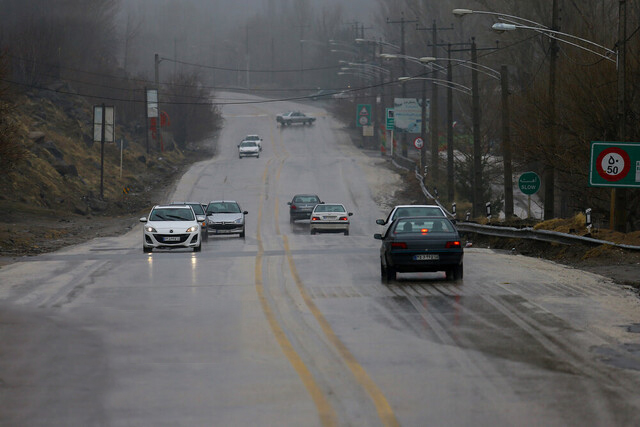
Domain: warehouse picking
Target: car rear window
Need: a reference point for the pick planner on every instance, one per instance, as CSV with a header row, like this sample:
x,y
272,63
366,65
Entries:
x,y
417,211
330,208
423,226
306,199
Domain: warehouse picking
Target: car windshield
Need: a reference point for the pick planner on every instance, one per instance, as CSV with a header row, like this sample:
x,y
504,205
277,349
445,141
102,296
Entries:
x,y
248,144
407,211
329,208
222,207
252,138
197,208
306,199
421,225
171,214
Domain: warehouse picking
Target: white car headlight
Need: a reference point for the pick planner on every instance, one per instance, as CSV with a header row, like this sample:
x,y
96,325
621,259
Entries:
x,y
192,229
239,220
150,229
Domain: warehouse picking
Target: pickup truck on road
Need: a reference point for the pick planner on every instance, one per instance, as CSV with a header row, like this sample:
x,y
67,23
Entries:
x,y
293,117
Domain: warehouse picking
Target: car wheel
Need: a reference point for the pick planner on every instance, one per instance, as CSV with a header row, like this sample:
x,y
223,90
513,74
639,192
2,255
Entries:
x,y
390,273
383,271
458,272
242,233
346,232
313,231
449,274
197,248
146,250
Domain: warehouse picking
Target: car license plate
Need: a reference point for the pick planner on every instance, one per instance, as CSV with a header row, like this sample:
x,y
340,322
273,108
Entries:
x,y
330,217
172,239
427,257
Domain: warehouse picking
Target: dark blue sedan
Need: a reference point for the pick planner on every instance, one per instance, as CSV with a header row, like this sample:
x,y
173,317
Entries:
x,y
421,244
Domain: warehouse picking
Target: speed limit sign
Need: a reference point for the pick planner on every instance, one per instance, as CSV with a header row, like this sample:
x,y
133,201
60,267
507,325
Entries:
x,y
615,164
418,143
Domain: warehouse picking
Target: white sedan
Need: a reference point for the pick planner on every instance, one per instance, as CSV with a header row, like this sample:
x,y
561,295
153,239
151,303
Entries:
x,y
170,227
330,217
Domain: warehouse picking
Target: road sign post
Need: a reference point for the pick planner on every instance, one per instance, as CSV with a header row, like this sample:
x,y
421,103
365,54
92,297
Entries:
x,y
529,183
615,164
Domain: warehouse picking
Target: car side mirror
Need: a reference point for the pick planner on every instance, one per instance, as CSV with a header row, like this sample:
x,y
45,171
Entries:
x,y
350,213
377,236
245,212
289,203
200,218
380,221
143,219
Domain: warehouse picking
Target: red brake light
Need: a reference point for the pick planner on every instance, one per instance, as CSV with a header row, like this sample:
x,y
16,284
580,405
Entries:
x,y
293,207
424,230
344,218
399,245
455,244
315,218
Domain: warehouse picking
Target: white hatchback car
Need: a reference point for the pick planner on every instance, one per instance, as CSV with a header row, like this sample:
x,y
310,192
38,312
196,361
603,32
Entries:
x,y
330,217
170,227
248,149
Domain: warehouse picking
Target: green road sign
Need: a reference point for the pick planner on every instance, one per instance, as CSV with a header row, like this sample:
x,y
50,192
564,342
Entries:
x,y
363,115
529,183
390,119
615,164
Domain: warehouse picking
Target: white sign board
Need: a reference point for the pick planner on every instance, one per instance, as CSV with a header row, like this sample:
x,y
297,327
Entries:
x,y
152,103
408,114
109,123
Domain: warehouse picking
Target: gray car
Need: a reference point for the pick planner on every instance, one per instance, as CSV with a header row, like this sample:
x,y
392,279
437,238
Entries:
x,y
225,217
198,209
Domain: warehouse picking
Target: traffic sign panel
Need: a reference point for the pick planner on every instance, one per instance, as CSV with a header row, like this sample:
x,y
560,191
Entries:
x,y
418,143
529,183
390,119
363,115
615,164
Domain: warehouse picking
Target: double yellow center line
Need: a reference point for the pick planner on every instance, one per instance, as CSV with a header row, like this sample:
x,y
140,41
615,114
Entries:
x,y
326,412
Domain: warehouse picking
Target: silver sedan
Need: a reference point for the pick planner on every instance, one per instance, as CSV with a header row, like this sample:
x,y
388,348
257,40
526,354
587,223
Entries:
x,y
330,217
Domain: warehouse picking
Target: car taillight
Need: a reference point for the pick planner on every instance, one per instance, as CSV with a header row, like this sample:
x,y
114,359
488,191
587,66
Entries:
x,y
293,207
424,230
454,244
315,218
399,245
344,218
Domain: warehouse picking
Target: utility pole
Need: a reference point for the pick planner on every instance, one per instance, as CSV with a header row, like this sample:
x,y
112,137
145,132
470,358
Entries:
x,y
506,144
450,177
618,214
477,146
402,22
434,115
549,169
157,79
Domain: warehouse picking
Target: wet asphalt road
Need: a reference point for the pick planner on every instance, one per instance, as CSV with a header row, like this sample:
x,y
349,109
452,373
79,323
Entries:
x,y
285,328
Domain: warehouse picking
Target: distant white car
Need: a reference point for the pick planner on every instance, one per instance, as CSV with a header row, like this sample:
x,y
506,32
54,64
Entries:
x,y
248,149
171,227
330,217
255,138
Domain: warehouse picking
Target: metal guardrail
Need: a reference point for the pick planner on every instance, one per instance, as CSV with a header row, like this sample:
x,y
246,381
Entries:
x,y
533,234
522,233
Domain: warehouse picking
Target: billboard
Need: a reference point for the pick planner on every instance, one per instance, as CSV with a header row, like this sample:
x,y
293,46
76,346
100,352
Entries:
x,y
408,114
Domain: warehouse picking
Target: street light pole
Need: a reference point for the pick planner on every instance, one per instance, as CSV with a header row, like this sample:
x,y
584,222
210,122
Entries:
x,y
477,146
450,177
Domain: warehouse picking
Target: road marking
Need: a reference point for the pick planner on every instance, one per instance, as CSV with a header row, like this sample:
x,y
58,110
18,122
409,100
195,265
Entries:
x,y
385,412
326,412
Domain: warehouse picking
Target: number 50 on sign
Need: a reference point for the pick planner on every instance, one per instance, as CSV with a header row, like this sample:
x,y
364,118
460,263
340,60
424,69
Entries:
x,y
615,164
